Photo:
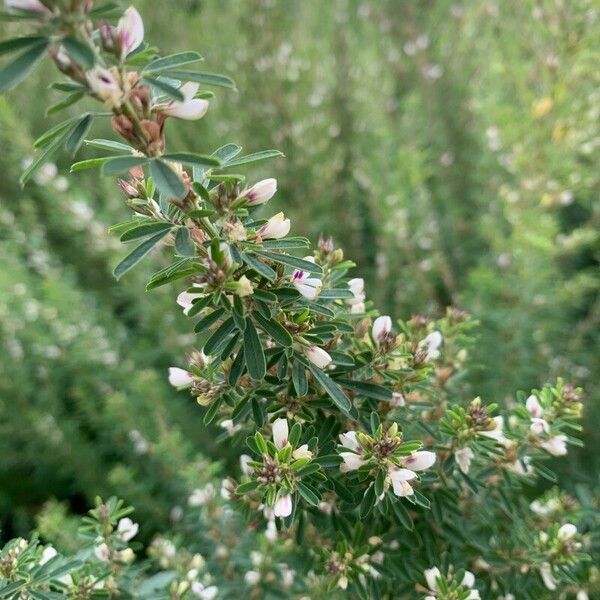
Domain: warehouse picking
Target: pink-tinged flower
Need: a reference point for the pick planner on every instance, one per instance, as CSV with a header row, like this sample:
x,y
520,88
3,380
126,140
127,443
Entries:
x,y
102,552
105,86
276,227
431,344
382,327
398,400
352,462
280,432
497,431
556,445
463,458
204,593
180,377
34,6
189,109
534,407
283,506
400,481
539,426
260,192
308,286
130,31
317,356
420,461
186,300
127,529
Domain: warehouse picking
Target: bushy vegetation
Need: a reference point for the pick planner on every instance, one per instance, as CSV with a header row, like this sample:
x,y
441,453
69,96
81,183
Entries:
x,y
451,151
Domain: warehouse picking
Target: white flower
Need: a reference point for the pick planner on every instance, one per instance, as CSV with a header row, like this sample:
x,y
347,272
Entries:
x,y
357,287
539,426
556,445
463,457
308,286
130,31
582,595
400,481
348,440
302,452
28,5
398,399
127,529
431,345
252,577
271,530
200,496
283,506
497,432
180,377
102,552
352,462
206,593
567,531
186,300
260,192
317,356
104,84
230,426
547,576
431,576
280,432
244,466
382,328
190,108
48,554
419,461
244,287
533,406
276,227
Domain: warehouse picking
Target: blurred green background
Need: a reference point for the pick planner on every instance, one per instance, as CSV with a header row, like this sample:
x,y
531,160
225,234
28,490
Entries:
x,y
451,148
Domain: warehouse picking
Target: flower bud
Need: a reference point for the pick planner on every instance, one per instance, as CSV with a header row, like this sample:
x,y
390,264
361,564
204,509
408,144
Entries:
x,y
245,287
283,507
260,192
318,356
34,6
381,329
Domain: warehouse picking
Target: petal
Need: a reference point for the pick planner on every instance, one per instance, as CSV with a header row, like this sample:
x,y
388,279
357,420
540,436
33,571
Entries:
x,y
283,506
280,432
189,110
533,406
420,461
431,576
352,462
567,531
180,377
348,440
468,579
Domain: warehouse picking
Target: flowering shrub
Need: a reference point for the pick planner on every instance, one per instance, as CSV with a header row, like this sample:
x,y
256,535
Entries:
x,y
362,464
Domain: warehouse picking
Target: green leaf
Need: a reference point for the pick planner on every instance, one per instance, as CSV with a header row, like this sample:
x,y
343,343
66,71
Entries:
x,y
166,180
211,413
218,336
259,267
371,390
64,103
255,157
292,261
286,244
183,243
49,135
165,88
402,514
368,502
144,230
209,320
75,140
237,367
134,257
336,294
277,331
41,158
205,78
109,145
79,51
246,487
122,164
177,270
172,61
90,163
227,152
253,351
308,493
18,69
332,388
190,158
299,378
15,44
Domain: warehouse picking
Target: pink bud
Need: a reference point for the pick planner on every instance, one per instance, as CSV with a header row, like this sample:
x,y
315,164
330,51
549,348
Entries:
x,y
28,5
276,227
261,192
130,31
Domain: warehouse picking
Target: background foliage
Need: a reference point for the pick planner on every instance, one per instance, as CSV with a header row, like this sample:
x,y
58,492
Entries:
x,y
450,148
